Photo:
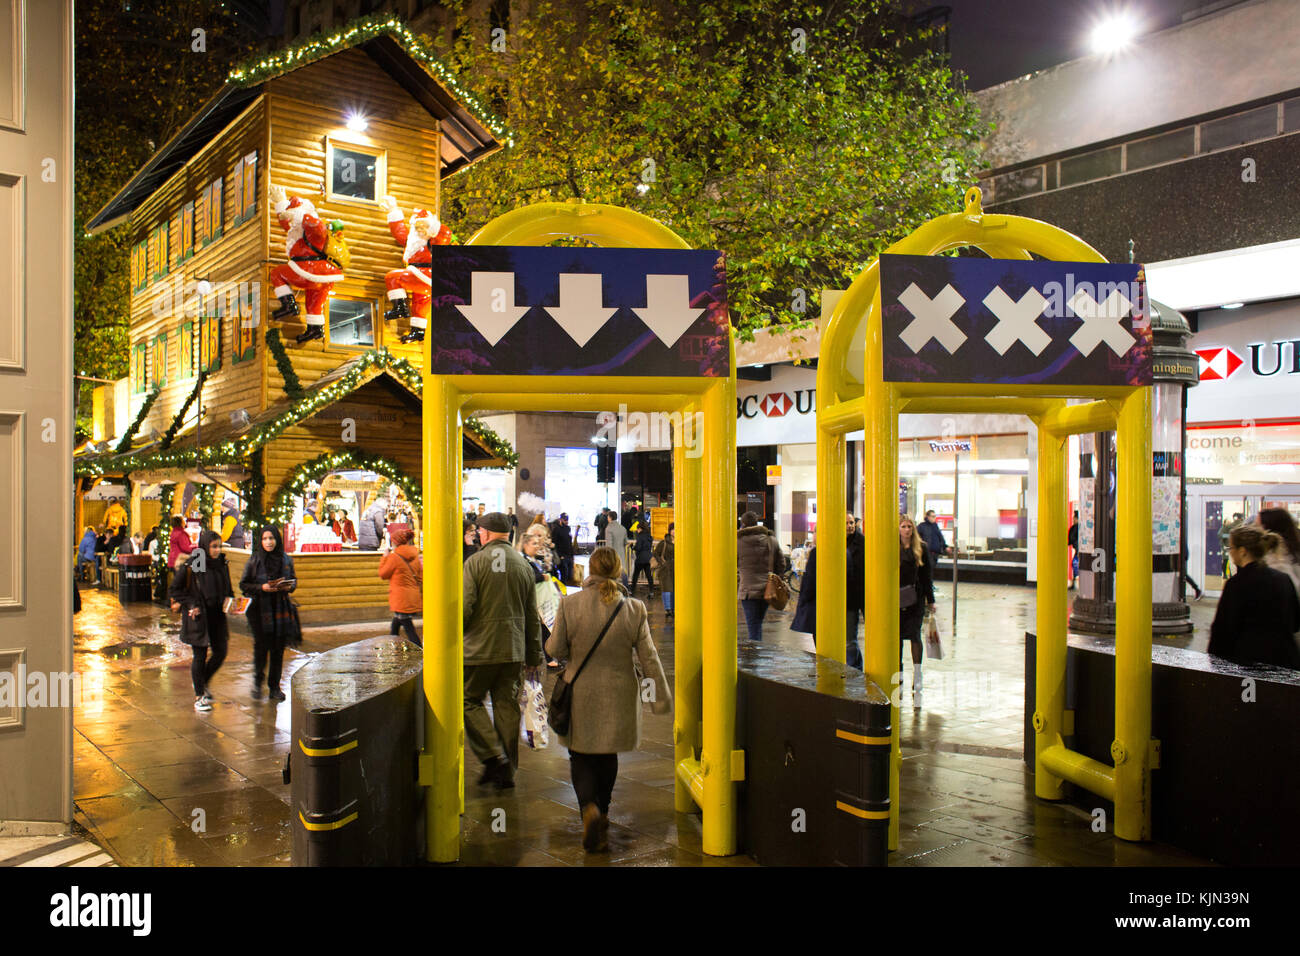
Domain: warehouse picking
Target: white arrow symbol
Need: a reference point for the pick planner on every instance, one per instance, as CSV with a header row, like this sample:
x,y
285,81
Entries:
x,y
580,312
1017,321
933,318
492,308
667,309
1101,322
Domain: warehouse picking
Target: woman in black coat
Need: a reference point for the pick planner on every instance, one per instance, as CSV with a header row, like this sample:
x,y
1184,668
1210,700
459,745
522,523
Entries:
x,y
805,612
916,595
1258,612
644,551
200,586
271,615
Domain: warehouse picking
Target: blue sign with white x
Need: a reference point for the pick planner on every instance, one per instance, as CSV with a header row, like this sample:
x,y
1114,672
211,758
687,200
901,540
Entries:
x,y
1014,321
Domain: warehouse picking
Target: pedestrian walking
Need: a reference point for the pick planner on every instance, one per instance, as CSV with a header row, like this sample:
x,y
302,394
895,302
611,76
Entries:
x,y
86,553
514,524
1259,613
1285,554
805,609
268,579
757,555
562,544
1186,574
602,520
1072,543
855,589
1225,533
643,552
915,586
665,554
601,631
403,569
200,586
933,539
370,536
616,539
502,637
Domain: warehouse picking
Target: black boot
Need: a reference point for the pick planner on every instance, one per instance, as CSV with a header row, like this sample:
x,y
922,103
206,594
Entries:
x,y
415,335
313,332
288,307
401,310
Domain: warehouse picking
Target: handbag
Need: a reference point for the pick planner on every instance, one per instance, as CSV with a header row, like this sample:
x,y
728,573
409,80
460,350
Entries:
x,y
907,593
777,592
560,714
933,648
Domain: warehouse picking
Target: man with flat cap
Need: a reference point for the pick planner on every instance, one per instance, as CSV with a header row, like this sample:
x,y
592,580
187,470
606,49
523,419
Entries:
x,y
502,635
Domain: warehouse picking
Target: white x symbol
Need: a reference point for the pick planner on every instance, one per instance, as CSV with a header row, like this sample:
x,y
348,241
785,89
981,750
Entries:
x,y
1017,321
933,318
1101,322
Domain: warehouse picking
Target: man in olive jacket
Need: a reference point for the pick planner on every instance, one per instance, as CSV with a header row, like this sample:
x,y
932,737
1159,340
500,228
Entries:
x,y
502,634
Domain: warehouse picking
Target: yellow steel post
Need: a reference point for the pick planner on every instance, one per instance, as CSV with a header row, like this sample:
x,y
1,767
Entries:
x,y
831,510
1131,749
443,601
688,516
718,533
1049,680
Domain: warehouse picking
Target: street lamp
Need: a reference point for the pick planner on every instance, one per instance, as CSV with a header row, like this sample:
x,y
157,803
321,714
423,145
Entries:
x,y
1114,33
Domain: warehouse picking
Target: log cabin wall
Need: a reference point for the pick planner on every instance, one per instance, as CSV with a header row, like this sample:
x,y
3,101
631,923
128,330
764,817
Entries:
x,y
385,424
230,258
307,107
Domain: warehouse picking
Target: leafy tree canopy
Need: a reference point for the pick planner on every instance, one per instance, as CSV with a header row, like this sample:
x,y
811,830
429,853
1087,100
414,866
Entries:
x,y
799,137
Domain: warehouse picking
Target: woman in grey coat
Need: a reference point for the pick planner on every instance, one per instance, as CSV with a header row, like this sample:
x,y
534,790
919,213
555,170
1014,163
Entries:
x,y
605,717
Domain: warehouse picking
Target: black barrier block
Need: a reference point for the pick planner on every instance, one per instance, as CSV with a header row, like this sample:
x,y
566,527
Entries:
x,y
356,720
816,741
1229,768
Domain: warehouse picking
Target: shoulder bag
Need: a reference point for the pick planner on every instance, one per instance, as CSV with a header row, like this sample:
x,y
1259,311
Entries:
x,y
419,578
777,592
560,712
907,592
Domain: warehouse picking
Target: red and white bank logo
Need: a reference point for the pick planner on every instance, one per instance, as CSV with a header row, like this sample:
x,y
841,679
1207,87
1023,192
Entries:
x,y
1218,363
776,404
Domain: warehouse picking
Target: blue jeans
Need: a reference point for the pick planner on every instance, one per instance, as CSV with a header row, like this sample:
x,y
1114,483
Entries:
x,y
852,653
668,601
755,610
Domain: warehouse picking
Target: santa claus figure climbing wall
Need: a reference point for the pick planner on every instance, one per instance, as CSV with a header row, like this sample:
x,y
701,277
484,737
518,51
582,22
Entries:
x,y
416,237
317,260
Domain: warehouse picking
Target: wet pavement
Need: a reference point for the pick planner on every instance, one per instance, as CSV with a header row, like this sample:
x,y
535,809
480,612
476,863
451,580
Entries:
x,y
159,784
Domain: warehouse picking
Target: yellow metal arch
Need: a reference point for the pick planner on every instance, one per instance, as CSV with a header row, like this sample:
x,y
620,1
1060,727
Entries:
x,y
844,405
704,486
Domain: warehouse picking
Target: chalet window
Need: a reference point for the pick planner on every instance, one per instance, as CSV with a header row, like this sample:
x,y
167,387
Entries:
x,y
185,365
356,173
139,369
210,342
208,227
139,266
351,322
159,252
187,232
246,321
243,193
159,359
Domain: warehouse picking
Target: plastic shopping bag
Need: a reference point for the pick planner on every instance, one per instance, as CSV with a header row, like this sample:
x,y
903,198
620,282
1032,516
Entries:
x,y
933,649
533,729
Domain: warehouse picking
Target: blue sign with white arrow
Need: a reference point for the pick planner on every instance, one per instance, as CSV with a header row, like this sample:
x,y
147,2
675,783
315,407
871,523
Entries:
x,y
529,310
1014,321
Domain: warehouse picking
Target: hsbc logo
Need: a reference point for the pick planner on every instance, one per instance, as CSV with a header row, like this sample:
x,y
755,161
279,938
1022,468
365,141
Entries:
x,y
1218,363
1266,358
776,404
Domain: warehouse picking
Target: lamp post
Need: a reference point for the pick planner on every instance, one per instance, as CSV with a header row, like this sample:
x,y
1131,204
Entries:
x,y
1093,611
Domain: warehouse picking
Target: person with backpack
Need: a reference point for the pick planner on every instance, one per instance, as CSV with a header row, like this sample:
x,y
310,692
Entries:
x,y
403,569
200,586
268,580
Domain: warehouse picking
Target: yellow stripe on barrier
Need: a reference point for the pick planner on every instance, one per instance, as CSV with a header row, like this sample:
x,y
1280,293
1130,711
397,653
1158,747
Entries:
x,y
326,751
859,739
863,814
336,825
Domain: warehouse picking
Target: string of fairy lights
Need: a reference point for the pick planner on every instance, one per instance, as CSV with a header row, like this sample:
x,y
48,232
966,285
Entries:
x,y
268,66
282,510
237,450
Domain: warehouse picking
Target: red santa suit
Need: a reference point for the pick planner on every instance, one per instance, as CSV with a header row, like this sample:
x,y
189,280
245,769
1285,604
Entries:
x,y
307,268
415,278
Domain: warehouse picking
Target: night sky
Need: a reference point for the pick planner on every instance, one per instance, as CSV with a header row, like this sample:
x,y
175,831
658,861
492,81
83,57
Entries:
x,y
998,40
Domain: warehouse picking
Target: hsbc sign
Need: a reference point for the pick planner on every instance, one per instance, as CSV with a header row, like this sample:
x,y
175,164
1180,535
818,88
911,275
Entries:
x,y
780,411
776,404
1249,364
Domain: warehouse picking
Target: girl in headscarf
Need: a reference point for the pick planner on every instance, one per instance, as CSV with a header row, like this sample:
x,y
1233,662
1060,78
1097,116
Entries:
x,y
199,590
270,615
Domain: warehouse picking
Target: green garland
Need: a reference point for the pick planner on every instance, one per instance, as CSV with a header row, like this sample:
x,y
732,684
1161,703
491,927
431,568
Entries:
x,y
253,491
237,451
170,435
295,486
268,66
206,494
125,443
292,386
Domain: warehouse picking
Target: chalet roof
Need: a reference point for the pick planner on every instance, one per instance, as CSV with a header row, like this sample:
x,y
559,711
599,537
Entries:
x,y
222,441
469,132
